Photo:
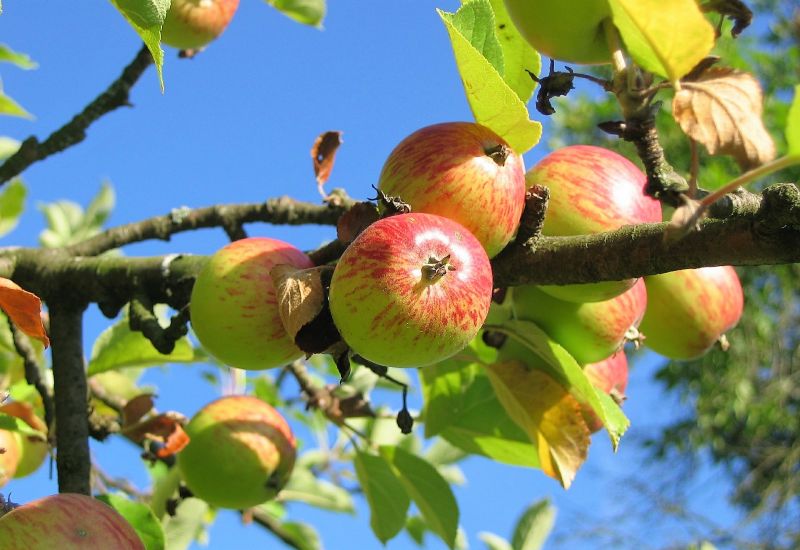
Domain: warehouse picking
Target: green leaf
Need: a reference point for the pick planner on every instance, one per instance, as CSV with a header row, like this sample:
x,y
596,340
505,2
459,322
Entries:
x,y
793,124
475,22
119,347
518,55
416,528
461,407
303,535
558,363
494,104
100,208
147,17
8,147
441,453
494,542
186,525
429,491
11,108
308,12
21,60
304,486
534,526
13,424
141,518
387,498
665,37
12,203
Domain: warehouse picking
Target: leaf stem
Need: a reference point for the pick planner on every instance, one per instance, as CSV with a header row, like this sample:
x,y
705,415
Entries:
x,y
750,176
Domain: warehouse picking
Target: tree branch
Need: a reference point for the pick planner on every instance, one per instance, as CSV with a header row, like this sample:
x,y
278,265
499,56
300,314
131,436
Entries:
x,y
33,375
73,132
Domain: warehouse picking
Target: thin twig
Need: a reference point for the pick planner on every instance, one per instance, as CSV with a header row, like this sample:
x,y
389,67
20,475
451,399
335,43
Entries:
x,y
33,374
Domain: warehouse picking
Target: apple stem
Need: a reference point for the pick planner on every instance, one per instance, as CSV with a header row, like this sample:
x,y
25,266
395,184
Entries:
x,y
436,269
498,153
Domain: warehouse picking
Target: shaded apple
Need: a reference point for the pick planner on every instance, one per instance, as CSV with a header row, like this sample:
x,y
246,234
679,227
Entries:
x,y
192,24
462,171
33,448
610,376
67,521
234,307
689,310
411,290
589,332
241,452
9,455
592,190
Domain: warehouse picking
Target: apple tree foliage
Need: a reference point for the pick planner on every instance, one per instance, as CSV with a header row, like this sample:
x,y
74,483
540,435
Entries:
x,y
475,402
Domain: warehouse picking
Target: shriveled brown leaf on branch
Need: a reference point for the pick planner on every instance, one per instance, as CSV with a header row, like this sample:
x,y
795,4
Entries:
x,y
24,309
300,296
722,109
165,428
323,154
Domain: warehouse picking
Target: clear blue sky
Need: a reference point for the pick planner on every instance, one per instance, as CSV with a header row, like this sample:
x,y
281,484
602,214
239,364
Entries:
x,y
236,125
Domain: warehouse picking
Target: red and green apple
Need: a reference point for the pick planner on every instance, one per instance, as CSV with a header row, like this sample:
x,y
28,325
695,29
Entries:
x,y
192,24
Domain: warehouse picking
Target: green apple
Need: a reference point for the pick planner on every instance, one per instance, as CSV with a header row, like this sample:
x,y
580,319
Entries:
x,y
192,24
33,448
67,521
234,308
589,332
689,310
241,452
567,30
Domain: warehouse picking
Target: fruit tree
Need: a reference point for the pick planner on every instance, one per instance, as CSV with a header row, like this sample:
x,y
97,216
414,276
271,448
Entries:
x,y
255,330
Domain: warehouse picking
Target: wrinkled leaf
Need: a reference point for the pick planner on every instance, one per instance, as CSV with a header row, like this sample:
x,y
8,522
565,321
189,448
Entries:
x,y
534,526
299,294
141,518
665,37
793,124
722,110
518,55
11,108
21,60
304,486
323,155
166,428
429,491
309,12
24,309
147,17
549,415
494,104
387,498
12,203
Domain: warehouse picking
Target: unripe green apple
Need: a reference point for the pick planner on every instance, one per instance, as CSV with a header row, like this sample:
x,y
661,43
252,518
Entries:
x,y
241,452
192,24
610,376
411,290
592,190
67,521
462,171
568,30
9,456
689,310
589,332
33,449
234,307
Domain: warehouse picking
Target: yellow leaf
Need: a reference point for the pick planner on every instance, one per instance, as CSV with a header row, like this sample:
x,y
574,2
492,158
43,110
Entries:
x,y
665,37
549,415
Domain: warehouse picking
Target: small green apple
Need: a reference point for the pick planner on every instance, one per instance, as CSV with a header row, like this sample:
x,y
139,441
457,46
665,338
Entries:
x,y
241,452
192,24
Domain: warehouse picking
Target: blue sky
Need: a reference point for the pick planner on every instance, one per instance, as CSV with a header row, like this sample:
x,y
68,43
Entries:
x,y
235,125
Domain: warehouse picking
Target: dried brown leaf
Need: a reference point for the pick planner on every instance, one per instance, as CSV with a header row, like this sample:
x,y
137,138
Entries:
x,y
135,409
23,309
722,110
354,221
165,428
685,219
323,153
300,295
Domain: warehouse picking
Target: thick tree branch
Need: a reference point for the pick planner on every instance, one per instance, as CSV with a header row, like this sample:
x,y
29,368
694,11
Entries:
x,y
73,132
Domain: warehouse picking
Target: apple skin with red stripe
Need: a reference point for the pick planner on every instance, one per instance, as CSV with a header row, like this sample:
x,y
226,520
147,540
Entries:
x,y
411,290
193,24
462,171
592,190
609,376
689,310
67,521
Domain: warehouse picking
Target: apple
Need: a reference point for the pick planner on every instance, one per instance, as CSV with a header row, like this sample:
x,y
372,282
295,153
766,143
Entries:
x,y
589,332
234,308
690,310
610,376
568,30
33,447
592,190
462,171
67,521
192,24
411,290
9,456
241,452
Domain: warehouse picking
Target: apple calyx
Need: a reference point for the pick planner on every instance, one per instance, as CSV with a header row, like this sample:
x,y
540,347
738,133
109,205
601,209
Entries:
x,y
436,269
389,205
498,153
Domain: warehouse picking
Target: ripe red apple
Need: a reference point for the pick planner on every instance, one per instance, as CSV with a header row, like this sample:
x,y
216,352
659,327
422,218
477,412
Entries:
x,y
462,171
689,310
33,449
240,454
569,30
610,376
589,332
592,190
9,456
67,521
234,308
411,290
192,24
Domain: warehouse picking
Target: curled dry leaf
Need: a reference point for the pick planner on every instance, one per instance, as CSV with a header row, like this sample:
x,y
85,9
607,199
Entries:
x,y
721,109
24,309
135,409
323,153
360,216
736,10
300,295
165,428
548,413
685,219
